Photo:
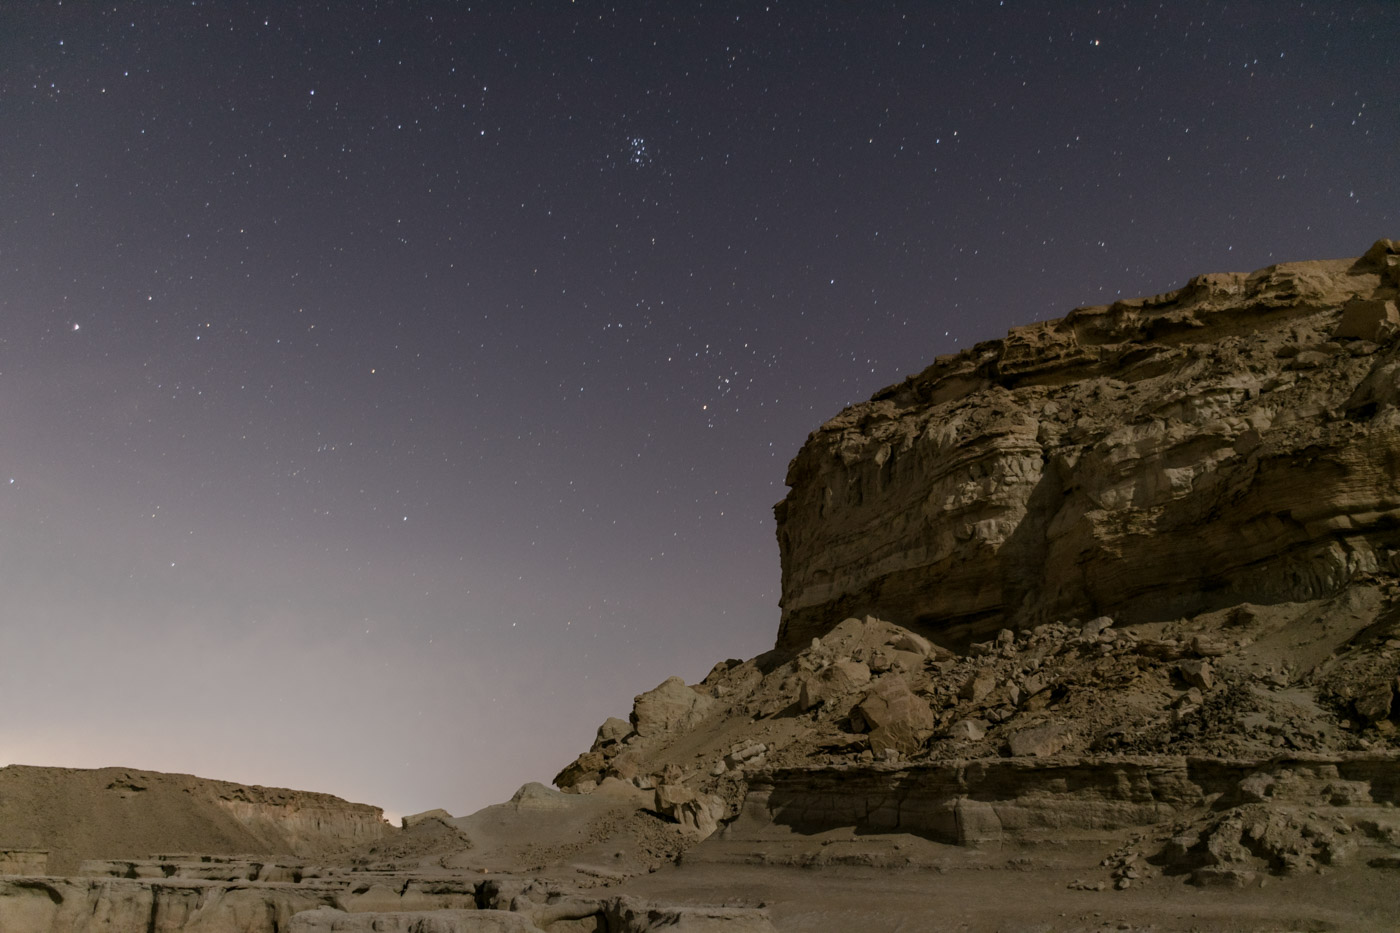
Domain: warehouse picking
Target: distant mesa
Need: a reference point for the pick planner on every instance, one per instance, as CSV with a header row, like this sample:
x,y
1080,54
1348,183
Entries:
x,y
74,814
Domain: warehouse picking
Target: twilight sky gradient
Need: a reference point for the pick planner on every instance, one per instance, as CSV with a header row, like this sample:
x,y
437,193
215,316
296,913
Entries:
x,y
391,391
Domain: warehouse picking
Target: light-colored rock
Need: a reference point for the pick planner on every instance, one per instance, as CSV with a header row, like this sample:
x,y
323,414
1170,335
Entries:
x,y
888,658
976,821
1197,673
635,916
1215,876
670,706
910,641
892,703
968,730
1095,627
1208,647
1038,741
1372,320
369,898
895,740
586,767
24,861
746,754
699,812
835,680
978,686
1375,703
536,796
90,905
613,730
1088,466
414,819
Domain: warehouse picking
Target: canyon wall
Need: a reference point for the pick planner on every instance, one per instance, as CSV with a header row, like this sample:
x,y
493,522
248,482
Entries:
x,y
1235,440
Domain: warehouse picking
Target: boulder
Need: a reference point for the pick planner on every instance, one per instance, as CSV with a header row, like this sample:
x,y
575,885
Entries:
x,y
1038,741
414,819
746,755
1197,673
1216,876
587,767
909,641
895,740
669,707
626,913
978,686
612,730
1368,320
968,730
835,680
695,811
536,796
1375,702
892,704
1095,627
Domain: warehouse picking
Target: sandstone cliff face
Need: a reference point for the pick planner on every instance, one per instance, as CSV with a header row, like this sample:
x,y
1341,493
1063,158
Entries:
x,y
1236,440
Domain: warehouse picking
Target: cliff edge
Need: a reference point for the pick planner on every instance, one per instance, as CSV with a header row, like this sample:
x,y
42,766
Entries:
x,y
1232,441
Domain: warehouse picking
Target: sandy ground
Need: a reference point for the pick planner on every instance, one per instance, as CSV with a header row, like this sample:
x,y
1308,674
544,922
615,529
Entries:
x,y
1015,891
843,880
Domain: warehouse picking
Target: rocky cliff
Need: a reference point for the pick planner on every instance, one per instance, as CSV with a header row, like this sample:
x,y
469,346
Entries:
x,y
79,814
1235,440
1129,569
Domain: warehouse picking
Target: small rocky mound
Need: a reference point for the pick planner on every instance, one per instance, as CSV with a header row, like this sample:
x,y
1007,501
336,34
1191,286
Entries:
x,y
1251,681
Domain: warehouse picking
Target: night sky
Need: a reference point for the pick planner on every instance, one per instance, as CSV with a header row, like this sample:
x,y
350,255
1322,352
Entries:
x,y
389,392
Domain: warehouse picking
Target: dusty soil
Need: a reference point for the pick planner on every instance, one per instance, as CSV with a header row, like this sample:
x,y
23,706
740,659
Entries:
x,y
1009,889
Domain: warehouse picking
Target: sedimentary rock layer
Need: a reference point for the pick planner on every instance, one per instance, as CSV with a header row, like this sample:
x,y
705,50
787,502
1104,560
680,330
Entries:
x,y
79,814
390,904
972,802
1233,440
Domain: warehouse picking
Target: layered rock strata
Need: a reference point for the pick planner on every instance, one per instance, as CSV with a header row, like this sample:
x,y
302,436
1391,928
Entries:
x,y
991,801
1234,440
381,902
76,814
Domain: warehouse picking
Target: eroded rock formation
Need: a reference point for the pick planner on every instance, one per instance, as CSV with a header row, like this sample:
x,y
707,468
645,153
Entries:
x,y
76,814
340,902
1131,568
1231,441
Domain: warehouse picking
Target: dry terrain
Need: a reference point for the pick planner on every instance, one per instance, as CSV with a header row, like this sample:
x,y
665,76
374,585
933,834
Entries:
x,y
1095,627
